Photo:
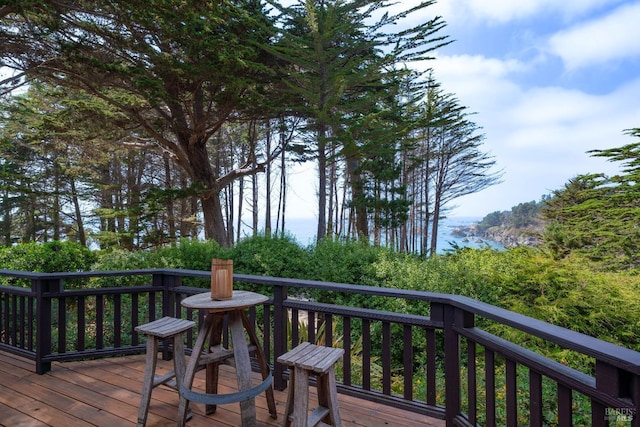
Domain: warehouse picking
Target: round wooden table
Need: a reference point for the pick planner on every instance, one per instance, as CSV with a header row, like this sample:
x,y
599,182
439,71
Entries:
x,y
216,353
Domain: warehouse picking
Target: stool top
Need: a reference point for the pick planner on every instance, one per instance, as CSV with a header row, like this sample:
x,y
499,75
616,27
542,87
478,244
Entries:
x,y
165,327
312,357
239,301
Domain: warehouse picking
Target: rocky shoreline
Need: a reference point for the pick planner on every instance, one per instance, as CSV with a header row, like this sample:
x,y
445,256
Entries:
x,y
507,236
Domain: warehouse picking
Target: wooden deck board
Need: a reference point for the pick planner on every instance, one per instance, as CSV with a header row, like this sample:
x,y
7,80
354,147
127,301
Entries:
x,y
106,392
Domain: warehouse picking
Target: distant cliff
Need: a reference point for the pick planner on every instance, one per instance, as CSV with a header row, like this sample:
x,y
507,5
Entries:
x,y
521,226
507,236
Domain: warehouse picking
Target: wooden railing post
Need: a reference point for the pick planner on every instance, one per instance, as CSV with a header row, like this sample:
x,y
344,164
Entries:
x,y
617,383
452,317
169,283
451,365
42,287
279,335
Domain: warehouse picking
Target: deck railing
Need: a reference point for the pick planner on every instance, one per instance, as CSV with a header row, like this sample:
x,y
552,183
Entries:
x,y
446,365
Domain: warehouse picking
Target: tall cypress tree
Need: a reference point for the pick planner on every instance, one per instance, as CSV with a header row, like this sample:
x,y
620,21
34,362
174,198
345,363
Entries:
x,y
343,63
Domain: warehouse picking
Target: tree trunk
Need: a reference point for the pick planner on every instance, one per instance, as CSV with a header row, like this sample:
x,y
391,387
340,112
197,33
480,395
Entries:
x,y
169,204
203,176
82,237
357,196
213,220
322,182
267,210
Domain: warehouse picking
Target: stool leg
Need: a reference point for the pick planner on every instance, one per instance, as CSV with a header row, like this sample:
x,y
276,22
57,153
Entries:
x,y
327,397
147,383
179,365
301,400
290,397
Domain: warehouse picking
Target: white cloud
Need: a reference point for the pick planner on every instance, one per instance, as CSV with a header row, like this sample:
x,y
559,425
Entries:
x,y
615,36
539,136
501,11
479,83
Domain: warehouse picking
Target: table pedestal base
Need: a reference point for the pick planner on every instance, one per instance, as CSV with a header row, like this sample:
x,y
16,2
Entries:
x,y
216,354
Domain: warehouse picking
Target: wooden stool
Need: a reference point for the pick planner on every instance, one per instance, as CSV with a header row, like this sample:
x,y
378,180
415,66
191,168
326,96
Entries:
x,y
167,327
305,359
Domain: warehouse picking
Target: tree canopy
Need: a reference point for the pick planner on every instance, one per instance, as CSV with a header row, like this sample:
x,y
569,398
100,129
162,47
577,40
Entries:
x,y
166,110
599,216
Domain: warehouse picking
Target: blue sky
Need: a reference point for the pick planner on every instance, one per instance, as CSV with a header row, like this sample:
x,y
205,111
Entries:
x,y
548,80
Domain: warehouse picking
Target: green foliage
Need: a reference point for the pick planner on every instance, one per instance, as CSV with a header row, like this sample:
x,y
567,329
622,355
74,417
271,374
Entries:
x,y
269,256
188,254
597,216
520,216
343,261
119,259
50,257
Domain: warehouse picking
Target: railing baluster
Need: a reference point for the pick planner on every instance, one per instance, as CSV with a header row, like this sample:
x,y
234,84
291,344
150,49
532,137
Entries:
x,y
346,344
135,312
366,354
62,324
99,322
472,408
22,324
82,324
295,328
430,337
386,358
407,361
328,330
117,321
3,317
535,399
511,387
451,365
490,387
31,323
153,305
564,406
311,326
266,331
598,414
13,329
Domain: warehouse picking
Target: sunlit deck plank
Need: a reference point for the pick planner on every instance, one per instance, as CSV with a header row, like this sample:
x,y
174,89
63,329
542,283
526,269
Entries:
x,y
106,393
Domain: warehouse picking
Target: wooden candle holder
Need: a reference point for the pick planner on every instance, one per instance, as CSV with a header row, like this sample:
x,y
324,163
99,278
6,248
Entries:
x,y
221,279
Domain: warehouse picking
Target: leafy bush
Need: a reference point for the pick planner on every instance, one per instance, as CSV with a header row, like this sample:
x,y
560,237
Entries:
x,y
188,254
269,256
343,261
50,257
119,259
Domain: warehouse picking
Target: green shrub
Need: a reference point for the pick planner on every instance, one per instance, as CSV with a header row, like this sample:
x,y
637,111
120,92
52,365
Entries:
x,y
269,256
120,259
50,257
188,254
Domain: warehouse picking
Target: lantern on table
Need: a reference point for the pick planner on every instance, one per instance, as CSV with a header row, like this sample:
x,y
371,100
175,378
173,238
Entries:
x,y
221,279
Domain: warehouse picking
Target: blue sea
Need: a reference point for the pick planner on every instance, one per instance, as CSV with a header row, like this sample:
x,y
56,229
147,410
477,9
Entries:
x,y
304,231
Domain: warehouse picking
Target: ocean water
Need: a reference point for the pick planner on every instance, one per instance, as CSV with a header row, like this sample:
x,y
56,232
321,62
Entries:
x,y
304,231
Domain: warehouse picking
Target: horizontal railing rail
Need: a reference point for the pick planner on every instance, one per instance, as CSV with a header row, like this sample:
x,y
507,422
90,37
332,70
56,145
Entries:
x,y
445,364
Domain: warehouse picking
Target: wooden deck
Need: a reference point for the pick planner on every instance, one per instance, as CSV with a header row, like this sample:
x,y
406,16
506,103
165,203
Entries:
x,y
106,393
